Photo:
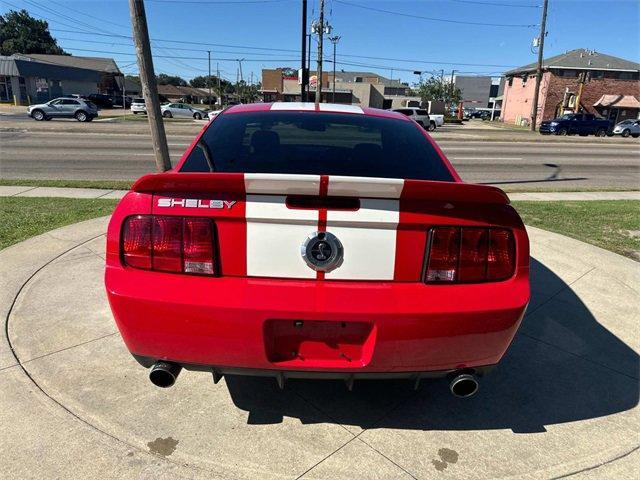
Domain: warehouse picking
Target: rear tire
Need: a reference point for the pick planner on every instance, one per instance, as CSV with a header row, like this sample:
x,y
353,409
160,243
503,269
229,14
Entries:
x,y
81,116
432,126
167,114
38,115
626,132
601,132
635,135
197,116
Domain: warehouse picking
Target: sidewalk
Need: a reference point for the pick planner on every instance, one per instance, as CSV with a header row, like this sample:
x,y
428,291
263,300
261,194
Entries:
x,y
17,191
74,404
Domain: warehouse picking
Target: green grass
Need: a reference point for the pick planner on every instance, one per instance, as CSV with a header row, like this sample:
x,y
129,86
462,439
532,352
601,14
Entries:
x,y
610,224
22,217
104,184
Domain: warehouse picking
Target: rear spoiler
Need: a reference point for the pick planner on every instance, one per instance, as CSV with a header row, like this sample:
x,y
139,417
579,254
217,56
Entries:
x,y
288,184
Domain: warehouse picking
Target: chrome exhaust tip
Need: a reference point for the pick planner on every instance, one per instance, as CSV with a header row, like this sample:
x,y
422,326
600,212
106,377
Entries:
x,y
464,385
164,374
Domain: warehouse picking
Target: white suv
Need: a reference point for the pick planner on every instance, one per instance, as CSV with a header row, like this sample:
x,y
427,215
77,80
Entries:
x,y
422,117
138,106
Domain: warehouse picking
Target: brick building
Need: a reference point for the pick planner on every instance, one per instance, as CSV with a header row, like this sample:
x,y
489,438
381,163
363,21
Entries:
x,y
607,86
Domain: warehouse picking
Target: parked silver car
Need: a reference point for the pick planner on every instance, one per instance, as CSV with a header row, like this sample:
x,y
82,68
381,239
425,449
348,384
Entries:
x,y
628,127
182,110
66,107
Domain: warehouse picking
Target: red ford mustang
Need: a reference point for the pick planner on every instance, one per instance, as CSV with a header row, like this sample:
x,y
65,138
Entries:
x,y
335,242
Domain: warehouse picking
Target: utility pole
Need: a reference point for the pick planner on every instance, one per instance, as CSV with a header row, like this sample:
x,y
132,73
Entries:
x,y
303,52
240,60
209,78
149,86
451,87
219,90
335,39
308,89
319,72
582,77
536,93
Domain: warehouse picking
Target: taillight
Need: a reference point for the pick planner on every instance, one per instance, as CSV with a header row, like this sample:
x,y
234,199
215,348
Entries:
x,y
169,244
136,241
470,254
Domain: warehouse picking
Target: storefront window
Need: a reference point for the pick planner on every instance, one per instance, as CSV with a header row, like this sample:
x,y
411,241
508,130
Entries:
x,y
6,93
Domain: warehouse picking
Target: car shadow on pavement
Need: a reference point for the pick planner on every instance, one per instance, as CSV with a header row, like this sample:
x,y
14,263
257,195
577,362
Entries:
x,y
563,366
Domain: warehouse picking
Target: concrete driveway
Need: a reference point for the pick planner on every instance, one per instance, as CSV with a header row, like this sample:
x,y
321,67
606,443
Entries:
x,y
74,404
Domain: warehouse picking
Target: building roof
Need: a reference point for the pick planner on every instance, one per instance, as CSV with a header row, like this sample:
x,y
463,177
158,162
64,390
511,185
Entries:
x,y
618,101
349,77
581,58
19,65
170,91
104,65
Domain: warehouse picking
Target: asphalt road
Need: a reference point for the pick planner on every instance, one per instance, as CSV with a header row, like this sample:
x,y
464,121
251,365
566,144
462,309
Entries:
x,y
69,150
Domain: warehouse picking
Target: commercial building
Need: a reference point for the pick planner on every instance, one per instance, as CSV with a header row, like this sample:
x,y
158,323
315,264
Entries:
x,y
32,78
575,81
366,89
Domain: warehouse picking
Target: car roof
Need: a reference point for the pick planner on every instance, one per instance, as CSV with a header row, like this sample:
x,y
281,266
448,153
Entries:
x,y
311,108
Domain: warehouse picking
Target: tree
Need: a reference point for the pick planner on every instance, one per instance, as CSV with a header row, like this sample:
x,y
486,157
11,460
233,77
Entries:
x,y
21,33
436,90
164,79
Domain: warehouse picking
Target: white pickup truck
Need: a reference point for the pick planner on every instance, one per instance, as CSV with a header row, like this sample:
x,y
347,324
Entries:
x,y
428,120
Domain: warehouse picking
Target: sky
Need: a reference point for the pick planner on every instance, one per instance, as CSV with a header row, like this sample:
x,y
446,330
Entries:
x,y
392,38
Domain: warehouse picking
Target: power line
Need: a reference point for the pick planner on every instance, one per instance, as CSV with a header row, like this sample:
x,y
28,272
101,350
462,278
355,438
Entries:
x,y
435,19
496,4
184,42
185,58
365,57
128,27
217,2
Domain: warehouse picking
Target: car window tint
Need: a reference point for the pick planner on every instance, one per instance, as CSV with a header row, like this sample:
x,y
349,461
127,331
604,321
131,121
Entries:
x,y
422,112
318,143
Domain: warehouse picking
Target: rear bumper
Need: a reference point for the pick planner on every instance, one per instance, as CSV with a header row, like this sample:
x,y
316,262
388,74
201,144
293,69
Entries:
x,y
332,329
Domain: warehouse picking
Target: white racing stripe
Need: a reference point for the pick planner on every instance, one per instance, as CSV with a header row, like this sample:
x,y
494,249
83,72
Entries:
x,y
368,236
275,234
275,183
365,187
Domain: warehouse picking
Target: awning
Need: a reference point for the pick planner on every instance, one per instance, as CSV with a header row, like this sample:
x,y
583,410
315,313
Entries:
x,y
618,101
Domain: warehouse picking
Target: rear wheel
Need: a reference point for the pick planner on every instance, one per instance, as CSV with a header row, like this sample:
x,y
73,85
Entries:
x,y
626,132
432,126
81,116
38,115
563,132
601,132
197,116
167,114
635,135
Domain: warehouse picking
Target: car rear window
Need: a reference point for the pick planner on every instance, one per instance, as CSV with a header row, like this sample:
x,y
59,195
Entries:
x,y
316,143
138,100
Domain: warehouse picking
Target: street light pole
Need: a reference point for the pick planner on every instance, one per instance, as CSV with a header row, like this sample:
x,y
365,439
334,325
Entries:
x,y
335,39
303,51
209,78
319,72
